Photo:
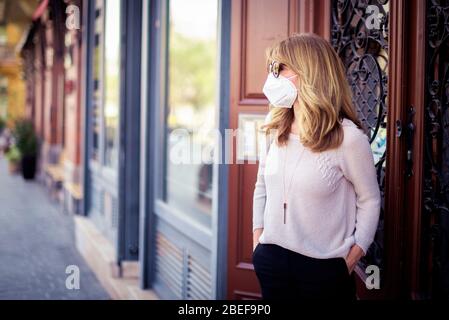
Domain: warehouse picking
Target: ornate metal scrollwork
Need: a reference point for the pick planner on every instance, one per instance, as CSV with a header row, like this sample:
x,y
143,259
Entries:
x,y
360,37
436,157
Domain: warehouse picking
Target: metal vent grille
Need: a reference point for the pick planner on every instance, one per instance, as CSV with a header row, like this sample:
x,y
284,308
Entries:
x,y
198,283
181,272
169,265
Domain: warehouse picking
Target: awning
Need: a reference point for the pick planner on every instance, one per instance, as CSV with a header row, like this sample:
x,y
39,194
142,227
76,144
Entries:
x,y
40,10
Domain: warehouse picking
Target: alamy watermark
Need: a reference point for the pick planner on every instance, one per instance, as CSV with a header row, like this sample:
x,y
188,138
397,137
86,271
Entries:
x,y
72,281
372,281
72,22
234,146
374,17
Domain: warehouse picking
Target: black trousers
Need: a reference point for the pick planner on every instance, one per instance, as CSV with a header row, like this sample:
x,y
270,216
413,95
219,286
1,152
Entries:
x,y
284,275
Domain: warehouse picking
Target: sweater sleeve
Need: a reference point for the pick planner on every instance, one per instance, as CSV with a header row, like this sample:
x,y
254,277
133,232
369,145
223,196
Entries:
x,y
259,196
358,167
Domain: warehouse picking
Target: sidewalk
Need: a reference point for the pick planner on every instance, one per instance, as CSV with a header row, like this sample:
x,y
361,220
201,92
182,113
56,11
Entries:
x,y
37,244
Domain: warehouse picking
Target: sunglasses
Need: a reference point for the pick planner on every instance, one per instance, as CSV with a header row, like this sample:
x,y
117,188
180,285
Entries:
x,y
275,68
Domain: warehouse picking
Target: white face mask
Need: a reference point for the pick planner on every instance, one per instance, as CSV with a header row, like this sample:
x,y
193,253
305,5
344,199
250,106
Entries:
x,y
281,92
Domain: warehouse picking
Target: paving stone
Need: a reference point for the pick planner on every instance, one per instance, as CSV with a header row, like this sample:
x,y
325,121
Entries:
x,y
37,244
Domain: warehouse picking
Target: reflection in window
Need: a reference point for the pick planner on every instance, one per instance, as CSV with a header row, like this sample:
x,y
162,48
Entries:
x,y
112,83
192,91
96,103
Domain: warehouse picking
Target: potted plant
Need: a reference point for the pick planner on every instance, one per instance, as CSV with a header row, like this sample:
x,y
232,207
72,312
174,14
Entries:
x,y
2,125
13,156
27,143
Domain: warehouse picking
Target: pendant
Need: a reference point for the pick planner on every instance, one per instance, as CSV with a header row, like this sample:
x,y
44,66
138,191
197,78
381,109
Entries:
x,y
285,209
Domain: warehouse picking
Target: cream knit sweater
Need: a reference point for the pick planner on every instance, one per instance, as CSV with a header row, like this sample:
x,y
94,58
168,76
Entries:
x,y
333,198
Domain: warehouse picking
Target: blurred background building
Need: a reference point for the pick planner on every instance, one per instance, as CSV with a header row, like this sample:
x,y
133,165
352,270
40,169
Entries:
x,y
14,20
106,83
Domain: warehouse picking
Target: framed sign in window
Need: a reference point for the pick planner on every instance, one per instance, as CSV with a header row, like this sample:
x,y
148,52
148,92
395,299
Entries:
x,y
250,136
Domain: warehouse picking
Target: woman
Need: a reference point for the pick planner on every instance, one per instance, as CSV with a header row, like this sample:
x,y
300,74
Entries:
x,y
316,200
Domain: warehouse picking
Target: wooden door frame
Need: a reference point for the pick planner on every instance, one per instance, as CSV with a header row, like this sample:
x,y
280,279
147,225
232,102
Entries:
x,y
395,154
415,81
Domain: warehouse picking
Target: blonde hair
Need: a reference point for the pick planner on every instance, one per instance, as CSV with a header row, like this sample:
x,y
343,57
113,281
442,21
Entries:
x,y
323,92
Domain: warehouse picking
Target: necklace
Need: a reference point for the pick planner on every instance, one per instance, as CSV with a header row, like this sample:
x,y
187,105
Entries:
x,y
291,179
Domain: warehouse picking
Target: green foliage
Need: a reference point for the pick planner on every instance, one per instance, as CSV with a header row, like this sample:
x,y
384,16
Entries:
x,y
192,71
26,138
13,154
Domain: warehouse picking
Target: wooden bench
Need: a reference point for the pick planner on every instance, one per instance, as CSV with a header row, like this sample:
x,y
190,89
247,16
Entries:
x,y
75,190
54,177
73,197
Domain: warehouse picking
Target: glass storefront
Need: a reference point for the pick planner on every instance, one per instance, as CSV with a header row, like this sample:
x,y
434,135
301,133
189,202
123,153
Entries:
x,y
96,73
106,78
111,82
191,107
102,203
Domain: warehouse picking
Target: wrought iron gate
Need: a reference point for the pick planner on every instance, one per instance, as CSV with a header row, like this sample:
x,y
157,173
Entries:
x,y
436,159
360,36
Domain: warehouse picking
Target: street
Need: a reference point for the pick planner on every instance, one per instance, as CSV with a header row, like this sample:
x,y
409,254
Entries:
x,y
37,245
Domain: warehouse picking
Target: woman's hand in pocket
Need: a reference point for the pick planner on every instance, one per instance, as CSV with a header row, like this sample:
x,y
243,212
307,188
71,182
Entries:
x,y
353,257
256,236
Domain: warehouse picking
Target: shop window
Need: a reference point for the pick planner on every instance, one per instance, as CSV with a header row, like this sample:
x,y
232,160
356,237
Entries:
x,y
111,82
106,83
96,66
191,106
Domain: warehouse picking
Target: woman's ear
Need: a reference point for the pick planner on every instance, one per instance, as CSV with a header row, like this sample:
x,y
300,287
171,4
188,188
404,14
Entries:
x,y
296,81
